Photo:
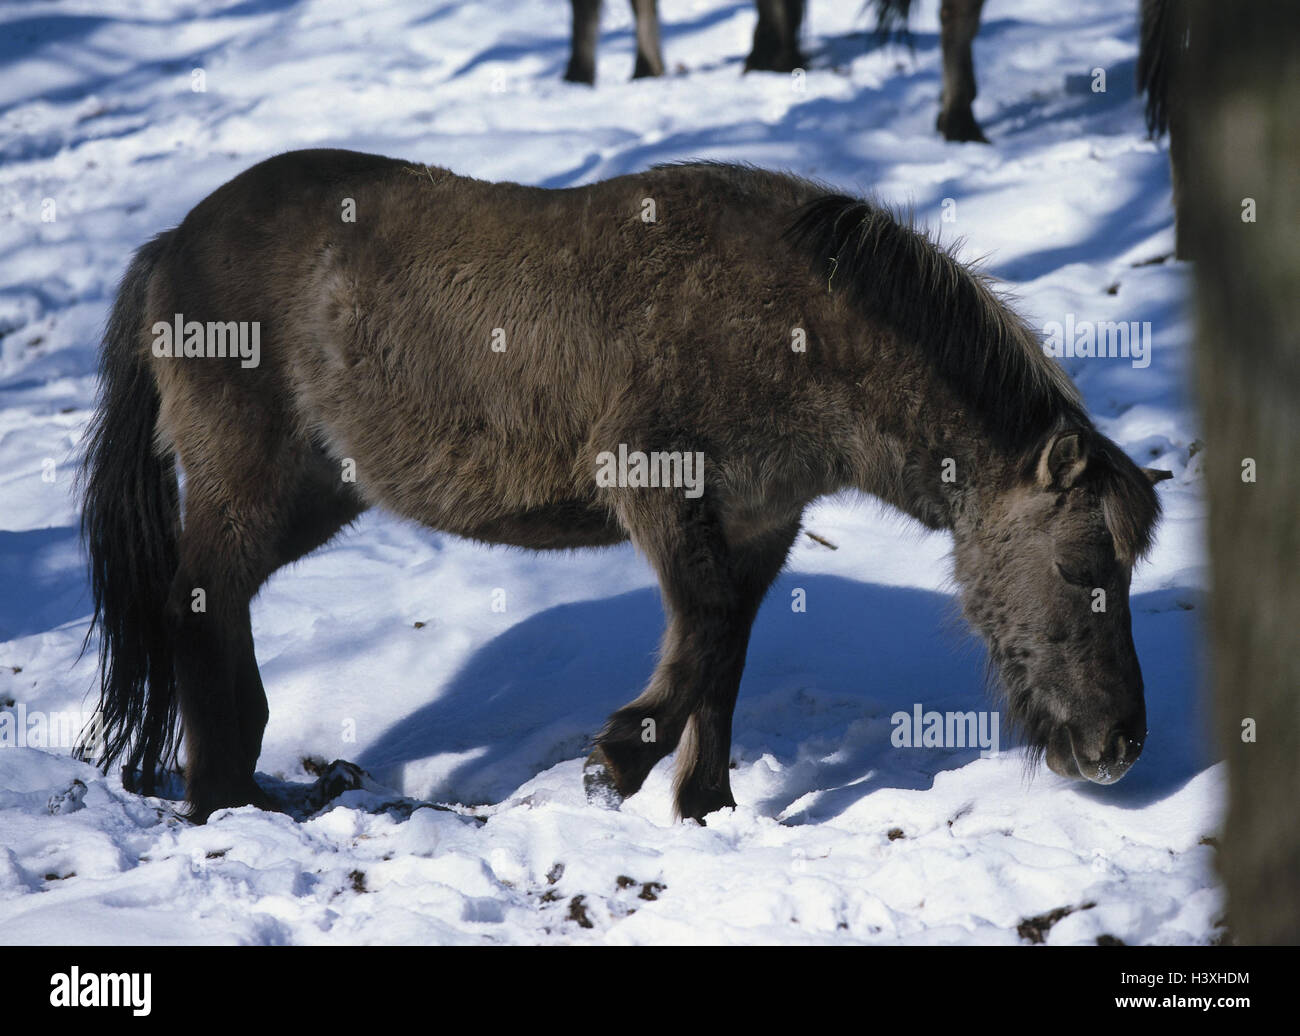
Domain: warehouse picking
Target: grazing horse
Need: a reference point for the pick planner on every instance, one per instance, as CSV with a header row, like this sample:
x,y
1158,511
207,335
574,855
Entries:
x,y
776,39
470,355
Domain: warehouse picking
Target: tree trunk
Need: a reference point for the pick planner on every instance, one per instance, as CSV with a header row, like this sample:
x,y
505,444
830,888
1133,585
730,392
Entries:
x,y
1242,99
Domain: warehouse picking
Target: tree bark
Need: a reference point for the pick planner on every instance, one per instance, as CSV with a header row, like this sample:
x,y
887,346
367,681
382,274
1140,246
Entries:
x,y
1242,104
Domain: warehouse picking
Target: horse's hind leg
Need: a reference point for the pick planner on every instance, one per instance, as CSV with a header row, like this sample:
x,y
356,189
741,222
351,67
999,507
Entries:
x,y
225,551
711,594
248,511
959,22
320,505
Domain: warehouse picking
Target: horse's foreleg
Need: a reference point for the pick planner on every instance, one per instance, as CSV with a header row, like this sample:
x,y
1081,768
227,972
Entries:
x,y
649,59
959,22
703,779
711,594
586,31
684,543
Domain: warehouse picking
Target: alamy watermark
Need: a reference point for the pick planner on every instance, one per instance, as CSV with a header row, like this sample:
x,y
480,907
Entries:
x,y
1106,339
654,470
216,339
921,729
21,727
73,988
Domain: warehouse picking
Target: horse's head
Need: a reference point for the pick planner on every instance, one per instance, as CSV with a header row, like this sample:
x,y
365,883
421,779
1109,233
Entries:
x,y
1045,578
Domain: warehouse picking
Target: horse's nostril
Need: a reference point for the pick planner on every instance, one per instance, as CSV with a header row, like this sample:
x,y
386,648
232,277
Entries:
x,y
1122,748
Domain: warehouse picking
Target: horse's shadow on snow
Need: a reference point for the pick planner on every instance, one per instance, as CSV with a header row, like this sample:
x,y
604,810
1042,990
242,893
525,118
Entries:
x,y
819,689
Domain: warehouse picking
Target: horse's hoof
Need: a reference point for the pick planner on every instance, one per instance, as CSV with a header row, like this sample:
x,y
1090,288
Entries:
x,y
598,782
577,72
959,127
646,69
203,806
697,803
773,62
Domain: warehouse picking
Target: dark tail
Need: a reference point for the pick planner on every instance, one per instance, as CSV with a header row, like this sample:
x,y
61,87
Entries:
x,y
1162,43
130,521
891,19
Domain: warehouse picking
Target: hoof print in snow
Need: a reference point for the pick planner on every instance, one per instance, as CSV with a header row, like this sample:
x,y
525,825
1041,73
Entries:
x,y
578,911
1035,929
649,889
598,783
69,800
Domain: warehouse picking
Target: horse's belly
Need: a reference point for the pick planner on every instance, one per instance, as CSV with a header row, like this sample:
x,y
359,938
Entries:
x,y
559,526
483,496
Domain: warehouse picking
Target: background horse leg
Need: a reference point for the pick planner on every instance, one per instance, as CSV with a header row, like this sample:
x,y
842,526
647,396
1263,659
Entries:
x,y
776,37
959,21
649,60
582,53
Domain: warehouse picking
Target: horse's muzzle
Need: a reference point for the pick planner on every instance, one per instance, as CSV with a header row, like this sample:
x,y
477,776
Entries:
x,y
1122,747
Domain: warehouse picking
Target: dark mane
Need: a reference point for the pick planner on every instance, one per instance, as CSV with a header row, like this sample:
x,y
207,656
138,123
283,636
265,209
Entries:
x,y
899,277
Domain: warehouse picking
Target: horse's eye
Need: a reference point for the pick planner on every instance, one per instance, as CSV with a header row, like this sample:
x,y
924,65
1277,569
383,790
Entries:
x,y
1075,575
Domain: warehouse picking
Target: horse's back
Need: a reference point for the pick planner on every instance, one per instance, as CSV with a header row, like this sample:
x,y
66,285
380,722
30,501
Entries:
x,y
471,347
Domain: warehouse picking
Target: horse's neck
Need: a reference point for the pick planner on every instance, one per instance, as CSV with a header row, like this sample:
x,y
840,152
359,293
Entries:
x,y
937,465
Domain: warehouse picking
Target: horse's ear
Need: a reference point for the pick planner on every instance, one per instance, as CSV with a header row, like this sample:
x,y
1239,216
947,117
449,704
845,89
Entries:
x,y
1155,475
1063,460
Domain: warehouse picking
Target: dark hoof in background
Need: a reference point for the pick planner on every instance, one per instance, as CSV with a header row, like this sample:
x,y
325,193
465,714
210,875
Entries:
x,y
960,127
774,62
598,782
577,72
647,69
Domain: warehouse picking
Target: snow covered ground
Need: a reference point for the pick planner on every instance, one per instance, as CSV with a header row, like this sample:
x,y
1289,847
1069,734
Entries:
x,y
384,649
